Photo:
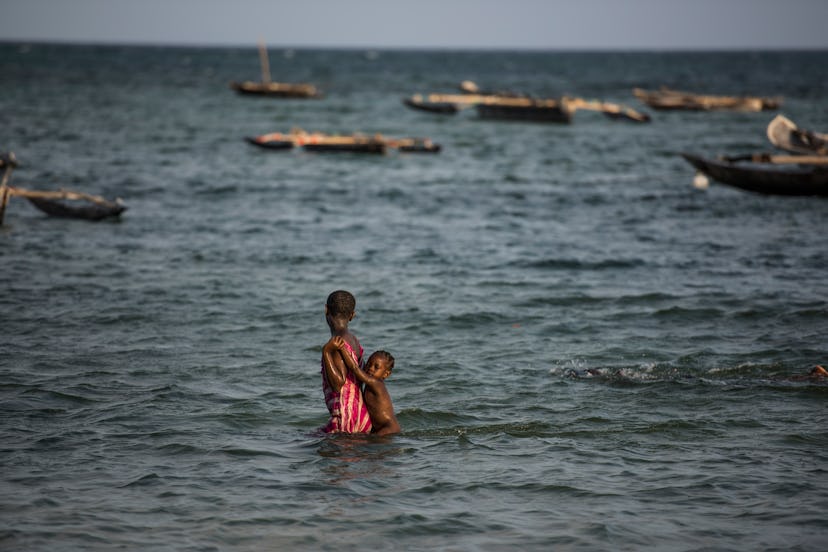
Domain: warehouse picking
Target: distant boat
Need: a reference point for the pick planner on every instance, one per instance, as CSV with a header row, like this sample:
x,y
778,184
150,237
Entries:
x,y
332,143
516,107
274,89
84,207
767,174
525,109
273,141
432,104
785,135
667,99
60,203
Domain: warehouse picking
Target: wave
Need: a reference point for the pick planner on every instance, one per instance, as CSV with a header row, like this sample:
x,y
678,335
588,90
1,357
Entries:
x,y
755,375
579,299
578,264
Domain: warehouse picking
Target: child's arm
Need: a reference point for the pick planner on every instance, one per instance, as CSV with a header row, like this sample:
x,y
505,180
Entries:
x,y
350,364
332,362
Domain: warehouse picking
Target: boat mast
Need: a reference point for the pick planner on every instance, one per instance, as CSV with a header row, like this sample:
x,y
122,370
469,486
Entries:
x,y
9,162
264,61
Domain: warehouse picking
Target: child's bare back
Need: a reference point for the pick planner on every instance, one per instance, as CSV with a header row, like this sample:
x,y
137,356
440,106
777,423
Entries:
x,y
377,399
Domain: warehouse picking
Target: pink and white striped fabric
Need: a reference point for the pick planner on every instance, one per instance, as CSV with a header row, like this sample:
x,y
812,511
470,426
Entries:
x,y
347,408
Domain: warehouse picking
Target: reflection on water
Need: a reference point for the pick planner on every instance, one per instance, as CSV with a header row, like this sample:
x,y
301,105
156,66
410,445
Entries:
x,y
358,456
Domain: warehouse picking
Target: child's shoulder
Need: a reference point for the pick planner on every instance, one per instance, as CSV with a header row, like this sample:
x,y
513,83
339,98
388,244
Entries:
x,y
353,341
352,336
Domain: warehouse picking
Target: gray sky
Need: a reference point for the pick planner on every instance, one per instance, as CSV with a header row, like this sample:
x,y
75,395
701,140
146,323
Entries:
x,y
537,24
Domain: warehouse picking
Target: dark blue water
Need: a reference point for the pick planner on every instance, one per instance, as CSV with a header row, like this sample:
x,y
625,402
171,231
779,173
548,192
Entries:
x,y
159,376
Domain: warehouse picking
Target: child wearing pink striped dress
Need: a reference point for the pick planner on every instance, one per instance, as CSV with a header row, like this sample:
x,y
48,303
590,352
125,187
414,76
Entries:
x,y
343,395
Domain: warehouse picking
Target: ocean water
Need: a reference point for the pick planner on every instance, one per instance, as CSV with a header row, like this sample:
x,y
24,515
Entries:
x,y
591,353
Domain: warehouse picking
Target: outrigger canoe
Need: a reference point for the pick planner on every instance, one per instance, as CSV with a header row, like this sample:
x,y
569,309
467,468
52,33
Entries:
x,y
785,135
355,143
60,203
767,174
514,107
667,99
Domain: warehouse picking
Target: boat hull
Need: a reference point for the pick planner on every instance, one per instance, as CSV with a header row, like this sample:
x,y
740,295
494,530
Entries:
x,y
764,178
322,143
274,144
674,100
276,90
443,108
66,210
366,147
540,114
418,145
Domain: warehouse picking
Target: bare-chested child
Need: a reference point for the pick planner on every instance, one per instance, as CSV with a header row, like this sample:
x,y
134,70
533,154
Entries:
x,y
377,399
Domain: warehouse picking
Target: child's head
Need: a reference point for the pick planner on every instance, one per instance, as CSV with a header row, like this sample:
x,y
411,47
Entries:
x,y
379,364
340,305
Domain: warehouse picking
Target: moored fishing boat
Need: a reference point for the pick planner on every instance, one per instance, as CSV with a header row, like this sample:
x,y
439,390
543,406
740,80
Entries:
x,y
276,89
60,203
767,174
345,144
785,135
515,107
67,204
273,140
415,145
668,99
525,109
354,143
273,89
443,107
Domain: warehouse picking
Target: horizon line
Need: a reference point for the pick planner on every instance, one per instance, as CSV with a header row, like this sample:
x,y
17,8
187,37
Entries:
x,y
423,48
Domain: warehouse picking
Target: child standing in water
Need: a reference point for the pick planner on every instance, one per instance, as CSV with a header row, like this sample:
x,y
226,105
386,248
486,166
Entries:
x,y
377,398
343,395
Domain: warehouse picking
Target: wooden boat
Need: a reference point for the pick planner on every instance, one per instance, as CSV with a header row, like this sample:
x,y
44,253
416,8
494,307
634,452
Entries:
x,y
667,99
319,142
785,135
344,144
273,140
525,109
471,96
355,143
611,110
519,108
274,89
67,204
767,174
415,145
443,107
61,203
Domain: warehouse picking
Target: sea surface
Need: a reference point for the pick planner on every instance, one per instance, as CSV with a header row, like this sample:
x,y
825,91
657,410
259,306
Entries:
x,y
591,353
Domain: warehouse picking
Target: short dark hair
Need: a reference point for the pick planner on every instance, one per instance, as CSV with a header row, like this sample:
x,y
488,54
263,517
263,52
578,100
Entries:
x,y
341,303
386,356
